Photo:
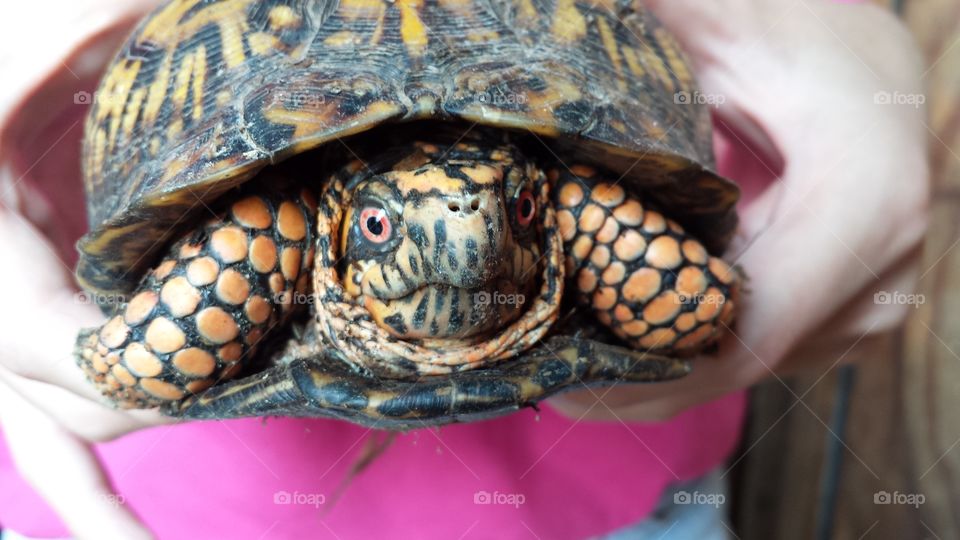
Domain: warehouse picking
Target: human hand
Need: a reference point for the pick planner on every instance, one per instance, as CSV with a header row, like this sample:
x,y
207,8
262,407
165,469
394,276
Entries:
x,y
48,412
799,83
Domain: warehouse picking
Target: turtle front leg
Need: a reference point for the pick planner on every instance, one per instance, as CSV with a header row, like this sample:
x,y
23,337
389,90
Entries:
x,y
650,282
309,381
198,316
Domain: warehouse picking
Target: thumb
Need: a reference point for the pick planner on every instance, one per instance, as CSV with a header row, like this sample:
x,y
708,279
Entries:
x,y
65,472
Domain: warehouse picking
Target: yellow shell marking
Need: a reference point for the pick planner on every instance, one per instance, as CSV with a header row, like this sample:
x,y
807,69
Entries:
x,y
99,150
111,234
342,38
378,31
609,5
112,98
133,110
262,43
281,17
464,9
558,91
165,19
482,34
460,7
182,84
199,75
673,58
632,62
610,44
527,12
176,126
305,122
308,124
355,9
659,67
229,15
231,32
158,91
569,25
412,29
223,98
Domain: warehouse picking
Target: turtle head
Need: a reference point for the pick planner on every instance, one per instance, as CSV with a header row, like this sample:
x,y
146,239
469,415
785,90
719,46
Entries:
x,y
443,245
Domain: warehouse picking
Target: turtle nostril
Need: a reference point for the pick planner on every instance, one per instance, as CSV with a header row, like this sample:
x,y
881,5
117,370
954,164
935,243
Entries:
x,y
465,206
470,208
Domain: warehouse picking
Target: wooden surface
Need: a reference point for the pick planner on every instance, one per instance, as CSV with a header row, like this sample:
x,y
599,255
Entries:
x,y
902,433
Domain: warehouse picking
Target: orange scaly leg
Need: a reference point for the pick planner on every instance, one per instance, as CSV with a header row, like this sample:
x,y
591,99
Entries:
x,y
653,284
199,315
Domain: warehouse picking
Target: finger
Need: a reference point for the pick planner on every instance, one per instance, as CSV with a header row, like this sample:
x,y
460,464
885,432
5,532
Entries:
x,y
881,305
793,43
90,420
851,201
726,53
697,24
39,342
710,378
840,341
44,351
68,25
64,472
597,407
787,297
879,308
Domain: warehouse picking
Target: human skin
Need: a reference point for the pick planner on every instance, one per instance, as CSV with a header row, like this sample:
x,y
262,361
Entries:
x,y
798,82
843,220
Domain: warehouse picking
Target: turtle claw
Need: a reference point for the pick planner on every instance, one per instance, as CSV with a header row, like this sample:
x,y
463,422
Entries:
x,y
322,385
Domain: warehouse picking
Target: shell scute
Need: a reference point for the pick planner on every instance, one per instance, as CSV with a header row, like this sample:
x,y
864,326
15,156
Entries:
x,y
205,94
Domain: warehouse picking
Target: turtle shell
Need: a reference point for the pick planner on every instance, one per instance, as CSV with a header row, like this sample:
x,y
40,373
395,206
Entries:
x,y
204,94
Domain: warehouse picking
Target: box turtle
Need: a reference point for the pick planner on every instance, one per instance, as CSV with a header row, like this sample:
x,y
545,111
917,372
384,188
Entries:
x,y
372,209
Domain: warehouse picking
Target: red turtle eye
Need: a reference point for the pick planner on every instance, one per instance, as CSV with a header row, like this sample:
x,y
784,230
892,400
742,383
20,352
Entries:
x,y
526,208
375,224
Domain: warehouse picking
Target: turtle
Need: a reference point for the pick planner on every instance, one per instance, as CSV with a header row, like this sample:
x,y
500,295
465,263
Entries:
x,y
398,213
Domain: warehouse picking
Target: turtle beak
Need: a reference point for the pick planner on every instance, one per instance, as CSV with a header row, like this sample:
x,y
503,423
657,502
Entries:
x,y
465,238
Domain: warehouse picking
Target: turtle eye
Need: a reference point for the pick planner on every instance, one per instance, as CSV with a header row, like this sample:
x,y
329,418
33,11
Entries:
x,y
375,224
526,208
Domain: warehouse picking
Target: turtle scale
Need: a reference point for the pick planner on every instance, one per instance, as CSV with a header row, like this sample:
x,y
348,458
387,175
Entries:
x,y
205,94
307,384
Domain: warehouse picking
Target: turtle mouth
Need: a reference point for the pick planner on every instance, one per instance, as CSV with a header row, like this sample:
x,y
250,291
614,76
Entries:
x,y
445,311
491,271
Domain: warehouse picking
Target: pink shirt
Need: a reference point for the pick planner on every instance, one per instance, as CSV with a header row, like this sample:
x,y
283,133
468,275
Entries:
x,y
277,479
529,474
